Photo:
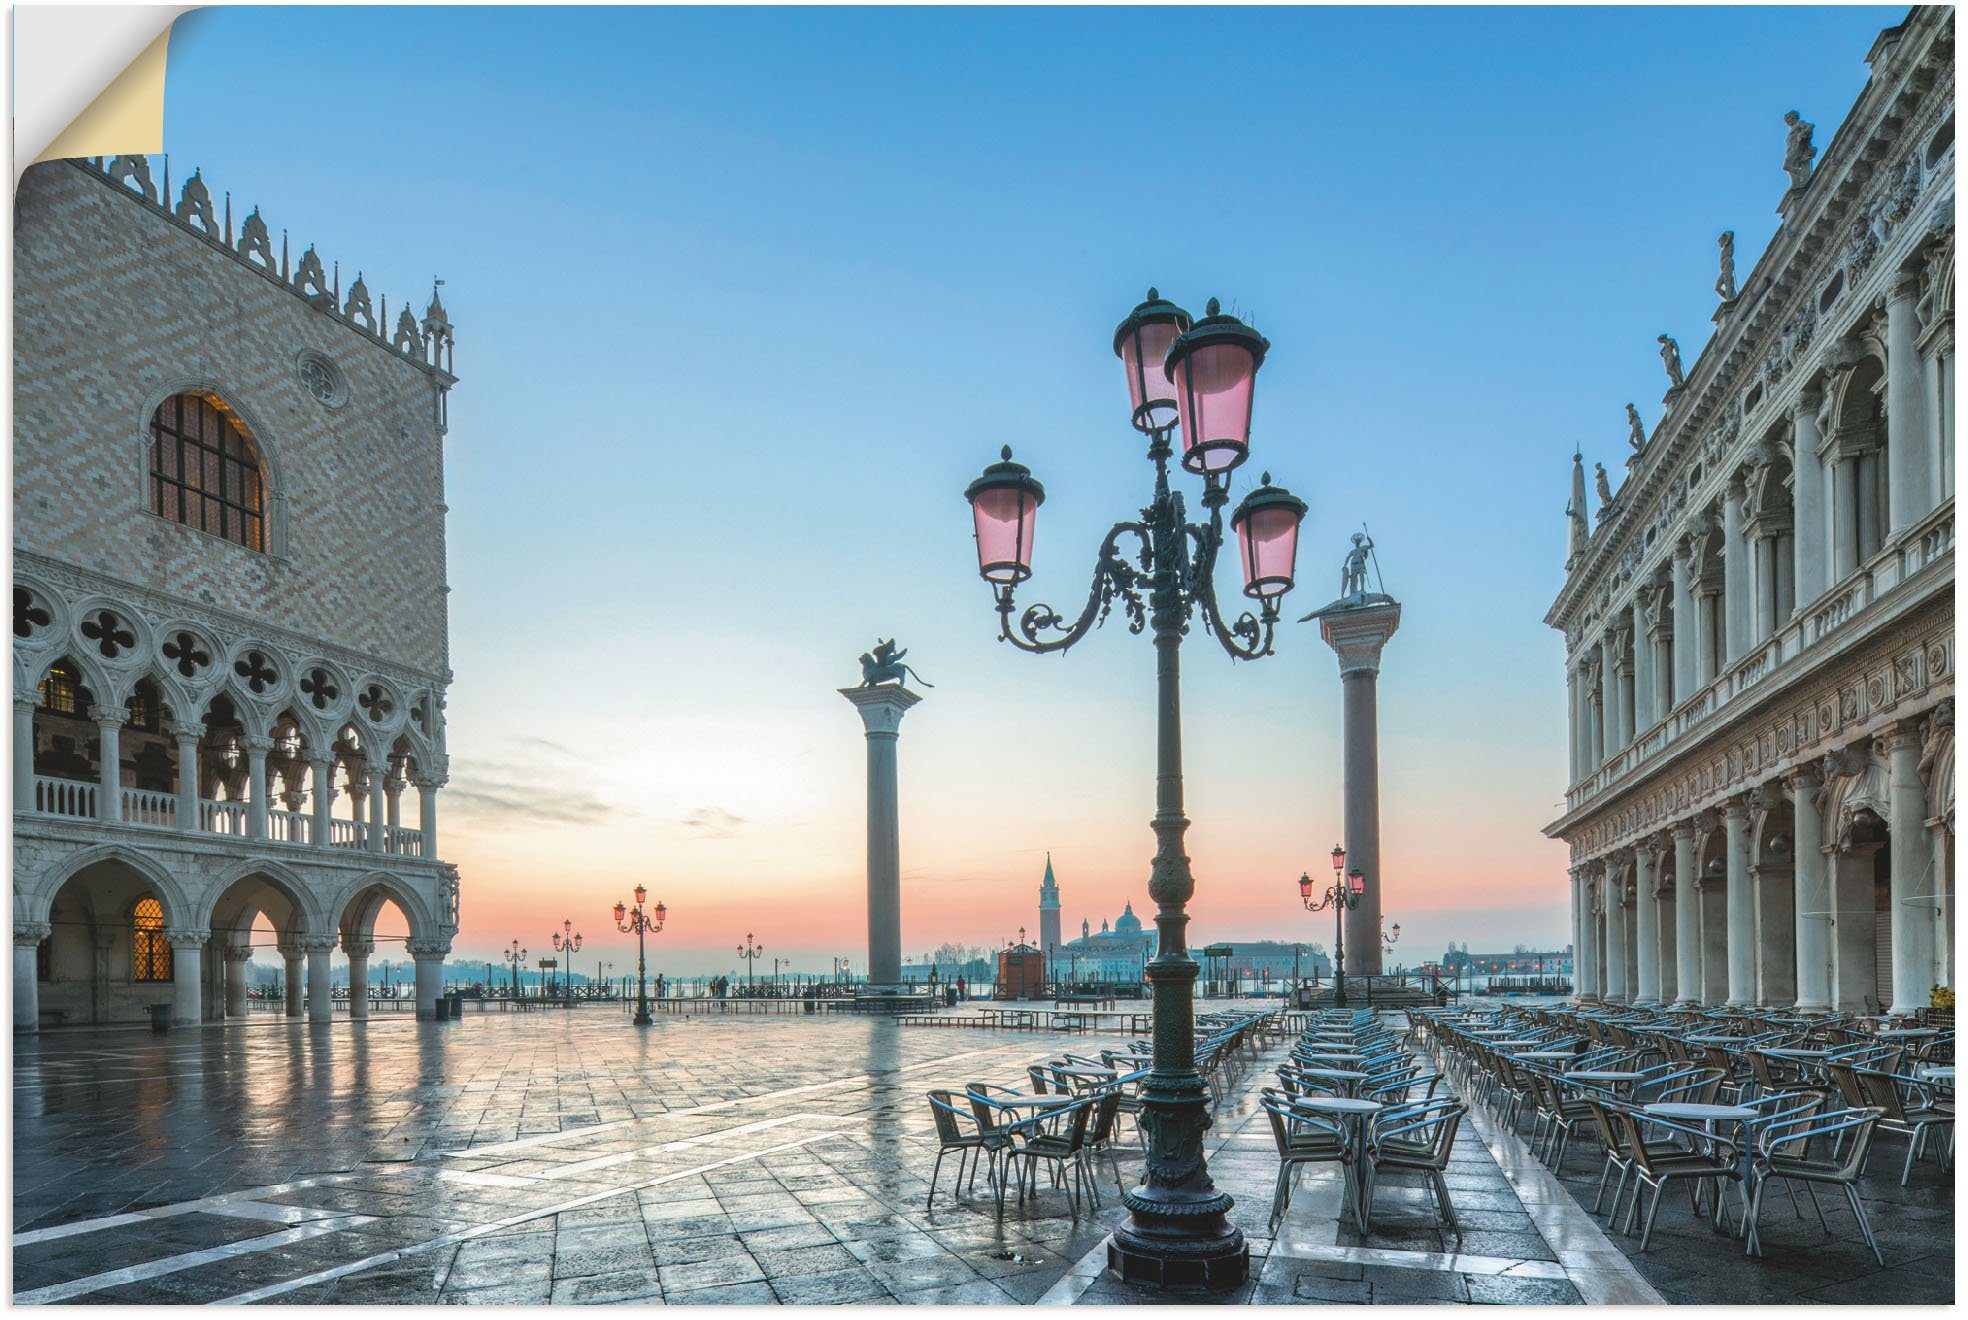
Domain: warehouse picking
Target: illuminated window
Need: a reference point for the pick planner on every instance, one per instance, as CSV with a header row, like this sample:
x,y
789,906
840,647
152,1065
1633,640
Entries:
x,y
61,690
205,471
150,952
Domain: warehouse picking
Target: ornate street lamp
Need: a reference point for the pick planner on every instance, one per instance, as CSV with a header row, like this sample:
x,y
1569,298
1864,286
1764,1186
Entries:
x,y
1390,938
1178,1231
566,943
642,923
515,956
750,953
1342,896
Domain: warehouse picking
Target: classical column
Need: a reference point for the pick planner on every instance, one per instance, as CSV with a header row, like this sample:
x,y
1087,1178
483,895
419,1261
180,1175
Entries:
x,y
1773,882
1742,920
187,736
1807,497
356,777
1646,878
1619,684
1573,727
109,793
291,955
1585,960
1686,626
187,975
27,980
1613,890
1845,501
1908,495
393,796
430,975
24,754
1580,904
237,959
322,771
1668,923
378,808
1766,622
1914,887
1735,575
358,951
882,707
1357,635
257,748
427,813
320,986
1643,667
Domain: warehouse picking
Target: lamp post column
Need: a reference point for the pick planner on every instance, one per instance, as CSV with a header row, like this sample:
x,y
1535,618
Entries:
x,y
1356,634
882,708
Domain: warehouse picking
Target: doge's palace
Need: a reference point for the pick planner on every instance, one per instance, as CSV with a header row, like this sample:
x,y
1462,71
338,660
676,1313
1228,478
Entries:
x,y
230,650
1759,620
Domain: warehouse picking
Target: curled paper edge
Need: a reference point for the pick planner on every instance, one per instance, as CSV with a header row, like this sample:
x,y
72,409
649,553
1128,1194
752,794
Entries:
x,y
68,104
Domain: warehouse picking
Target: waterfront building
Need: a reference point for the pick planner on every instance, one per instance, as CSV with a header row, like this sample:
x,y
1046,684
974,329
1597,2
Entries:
x,y
1049,915
230,641
1759,622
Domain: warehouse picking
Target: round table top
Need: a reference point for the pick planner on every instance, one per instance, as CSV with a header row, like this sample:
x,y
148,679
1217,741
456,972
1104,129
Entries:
x,y
1033,1101
1334,1054
1715,1040
1943,1072
1339,1104
1795,1052
1901,1033
1548,1054
1604,1075
1341,1073
1489,1031
1676,1109
1515,1044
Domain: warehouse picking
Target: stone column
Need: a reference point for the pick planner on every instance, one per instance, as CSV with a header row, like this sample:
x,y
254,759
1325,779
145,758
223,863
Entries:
x,y
27,981
1578,933
321,776
378,811
1735,575
1811,899
427,813
24,753
1586,959
882,708
187,975
1357,635
187,736
1613,891
320,983
1766,622
1742,921
1573,726
1914,887
1774,884
109,791
1668,923
1844,517
1645,701
1646,911
1854,979
356,780
393,796
1908,494
237,960
358,951
430,974
1619,683
1807,497
290,954
257,748
1686,626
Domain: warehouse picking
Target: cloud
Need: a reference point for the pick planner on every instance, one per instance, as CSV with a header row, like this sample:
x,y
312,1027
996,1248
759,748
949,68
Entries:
x,y
493,797
711,822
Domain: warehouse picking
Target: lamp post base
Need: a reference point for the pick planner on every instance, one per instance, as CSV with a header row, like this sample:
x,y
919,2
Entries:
x,y
642,1018
1173,1253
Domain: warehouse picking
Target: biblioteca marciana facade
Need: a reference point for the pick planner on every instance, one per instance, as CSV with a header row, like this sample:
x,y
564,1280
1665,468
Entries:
x,y
230,649
1759,623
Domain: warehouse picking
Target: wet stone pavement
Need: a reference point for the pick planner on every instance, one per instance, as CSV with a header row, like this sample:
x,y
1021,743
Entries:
x,y
570,1158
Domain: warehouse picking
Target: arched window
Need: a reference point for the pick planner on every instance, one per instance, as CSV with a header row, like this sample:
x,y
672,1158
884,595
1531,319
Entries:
x,y
150,952
61,690
205,471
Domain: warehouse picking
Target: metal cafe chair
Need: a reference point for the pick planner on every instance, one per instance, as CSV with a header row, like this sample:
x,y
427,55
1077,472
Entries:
x,y
1655,1167
1420,1144
1062,1145
1783,1152
1302,1138
1907,1108
950,1135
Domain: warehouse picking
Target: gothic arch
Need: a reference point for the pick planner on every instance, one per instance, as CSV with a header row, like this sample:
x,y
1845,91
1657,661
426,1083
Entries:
x,y
240,402
357,904
177,908
275,875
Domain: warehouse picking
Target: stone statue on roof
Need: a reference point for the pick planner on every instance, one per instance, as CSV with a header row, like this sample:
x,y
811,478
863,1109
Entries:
x,y
1671,359
1798,151
1725,281
1636,431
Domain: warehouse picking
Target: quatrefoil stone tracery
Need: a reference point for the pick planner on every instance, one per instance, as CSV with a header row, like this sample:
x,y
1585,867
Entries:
x,y
189,656
106,630
30,615
376,703
257,670
319,688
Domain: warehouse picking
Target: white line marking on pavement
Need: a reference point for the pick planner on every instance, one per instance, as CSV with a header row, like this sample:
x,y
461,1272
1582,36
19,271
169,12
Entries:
x,y
59,1292
204,1204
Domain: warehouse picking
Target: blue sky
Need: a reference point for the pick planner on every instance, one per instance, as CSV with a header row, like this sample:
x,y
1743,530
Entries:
x,y
744,297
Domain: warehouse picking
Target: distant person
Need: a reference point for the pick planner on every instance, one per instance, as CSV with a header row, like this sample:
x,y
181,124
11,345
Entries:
x,y
963,988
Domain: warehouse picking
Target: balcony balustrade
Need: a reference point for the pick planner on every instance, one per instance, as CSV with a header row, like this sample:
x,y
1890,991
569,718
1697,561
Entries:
x,y
75,799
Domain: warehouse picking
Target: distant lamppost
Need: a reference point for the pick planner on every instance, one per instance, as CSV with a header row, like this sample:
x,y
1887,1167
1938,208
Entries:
x,y
750,952
566,942
1342,896
515,955
1390,938
1199,378
628,919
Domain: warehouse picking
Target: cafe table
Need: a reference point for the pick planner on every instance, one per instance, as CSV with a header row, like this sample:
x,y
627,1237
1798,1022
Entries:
x,y
1346,1078
1548,1056
1708,1116
1355,1114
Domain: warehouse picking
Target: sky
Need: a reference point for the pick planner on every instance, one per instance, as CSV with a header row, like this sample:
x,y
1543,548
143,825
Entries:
x,y
745,297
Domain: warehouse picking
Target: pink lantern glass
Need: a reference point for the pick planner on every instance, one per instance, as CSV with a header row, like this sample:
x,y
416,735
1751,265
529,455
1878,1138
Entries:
x,y
1356,881
1143,342
1266,523
1004,503
1213,367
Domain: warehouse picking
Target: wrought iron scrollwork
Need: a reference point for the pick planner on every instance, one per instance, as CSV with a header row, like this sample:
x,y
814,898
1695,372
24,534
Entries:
x,y
1114,578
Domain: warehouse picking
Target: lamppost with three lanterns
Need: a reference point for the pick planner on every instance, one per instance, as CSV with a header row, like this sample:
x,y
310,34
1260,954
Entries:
x,y
514,957
1197,377
635,919
750,952
1343,896
566,944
